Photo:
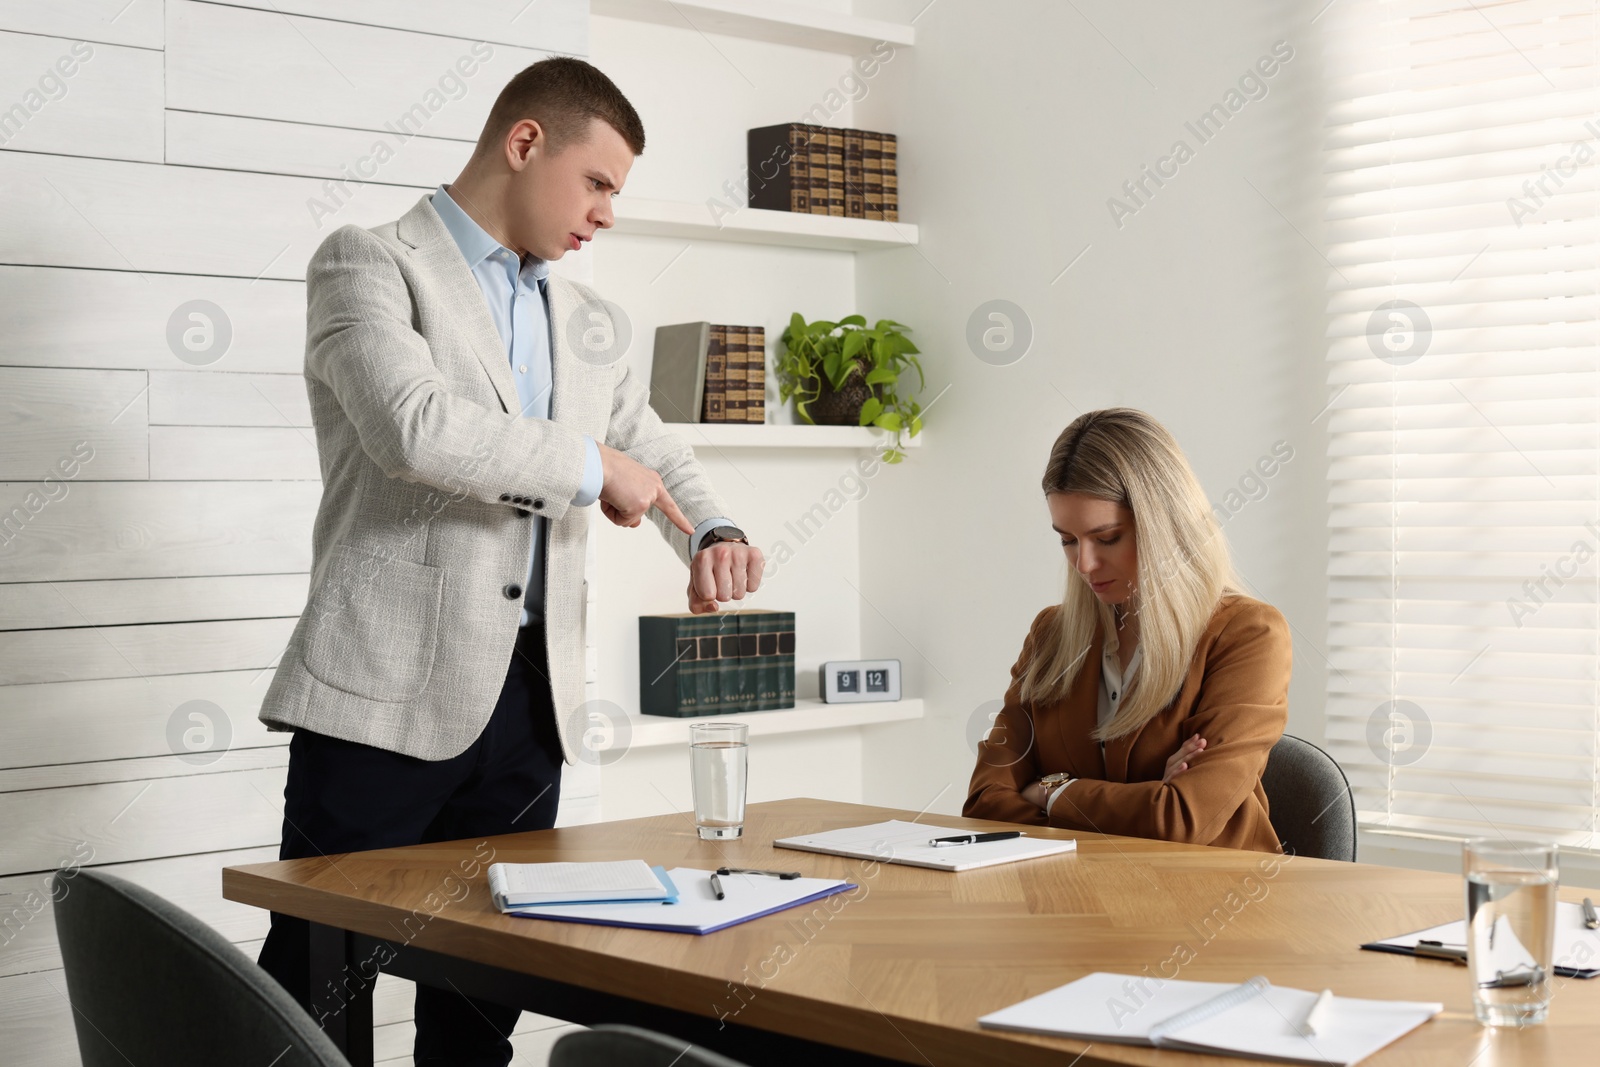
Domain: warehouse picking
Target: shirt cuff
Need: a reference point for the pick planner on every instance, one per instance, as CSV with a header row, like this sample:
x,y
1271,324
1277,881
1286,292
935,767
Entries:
x,y
594,475
705,528
1048,804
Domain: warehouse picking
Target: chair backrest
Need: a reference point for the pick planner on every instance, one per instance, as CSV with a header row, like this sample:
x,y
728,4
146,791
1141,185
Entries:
x,y
629,1046
150,983
1309,801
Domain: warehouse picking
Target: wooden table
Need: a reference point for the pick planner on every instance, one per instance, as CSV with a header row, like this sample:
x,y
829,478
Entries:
x,y
901,973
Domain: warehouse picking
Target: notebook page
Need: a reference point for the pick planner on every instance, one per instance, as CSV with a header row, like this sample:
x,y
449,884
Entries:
x,y
1121,1008
577,879
1264,1027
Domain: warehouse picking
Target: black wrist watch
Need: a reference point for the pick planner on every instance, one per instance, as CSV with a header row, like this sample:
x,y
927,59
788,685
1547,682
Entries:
x,y
722,533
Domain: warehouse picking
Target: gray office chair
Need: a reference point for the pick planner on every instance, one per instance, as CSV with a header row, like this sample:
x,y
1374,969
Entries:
x,y
1310,802
629,1046
150,983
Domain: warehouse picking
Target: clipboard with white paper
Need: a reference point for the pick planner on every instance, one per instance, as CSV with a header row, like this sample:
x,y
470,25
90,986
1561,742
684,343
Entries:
x,y
697,909
1577,949
898,841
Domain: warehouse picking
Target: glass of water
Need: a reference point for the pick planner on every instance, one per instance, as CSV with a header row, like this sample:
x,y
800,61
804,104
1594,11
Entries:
x,y
1511,928
717,764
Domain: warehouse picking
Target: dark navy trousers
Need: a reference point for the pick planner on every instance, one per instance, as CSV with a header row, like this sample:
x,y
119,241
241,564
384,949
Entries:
x,y
342,796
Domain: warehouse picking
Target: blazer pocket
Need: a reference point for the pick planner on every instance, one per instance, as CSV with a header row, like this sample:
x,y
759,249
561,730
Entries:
x,y
372,626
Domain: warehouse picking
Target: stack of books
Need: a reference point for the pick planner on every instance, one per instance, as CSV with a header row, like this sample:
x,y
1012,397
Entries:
x,y
704,372
821,170
736,375
717,664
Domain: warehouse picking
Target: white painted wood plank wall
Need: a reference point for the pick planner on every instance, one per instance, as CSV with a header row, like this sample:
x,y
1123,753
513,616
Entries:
x,y
155,500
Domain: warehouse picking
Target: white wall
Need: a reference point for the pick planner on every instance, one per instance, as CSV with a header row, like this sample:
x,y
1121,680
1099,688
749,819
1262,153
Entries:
x,y
170,159
1017,122
697,95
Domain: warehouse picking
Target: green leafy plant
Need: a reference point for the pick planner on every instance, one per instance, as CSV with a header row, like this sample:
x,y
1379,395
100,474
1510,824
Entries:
x,y
835,364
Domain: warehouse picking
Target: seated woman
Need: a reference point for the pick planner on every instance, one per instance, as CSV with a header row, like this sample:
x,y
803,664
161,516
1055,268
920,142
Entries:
x,y
1146,702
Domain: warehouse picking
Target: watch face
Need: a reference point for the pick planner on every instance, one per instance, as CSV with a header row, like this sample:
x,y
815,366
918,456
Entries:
x,y
728,533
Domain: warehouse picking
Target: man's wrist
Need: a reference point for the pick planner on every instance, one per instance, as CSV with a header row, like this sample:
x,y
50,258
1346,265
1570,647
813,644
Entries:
x,y
716,531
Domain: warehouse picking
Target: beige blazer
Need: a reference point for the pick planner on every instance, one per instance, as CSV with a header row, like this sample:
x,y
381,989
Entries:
x,y
429,478
1236,696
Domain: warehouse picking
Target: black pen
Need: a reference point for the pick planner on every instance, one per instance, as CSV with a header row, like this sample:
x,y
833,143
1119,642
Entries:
x,y
974,839
1591,918
716,886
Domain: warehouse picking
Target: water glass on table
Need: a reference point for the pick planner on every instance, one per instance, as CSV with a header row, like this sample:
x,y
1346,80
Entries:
x,y
717,764
1511,917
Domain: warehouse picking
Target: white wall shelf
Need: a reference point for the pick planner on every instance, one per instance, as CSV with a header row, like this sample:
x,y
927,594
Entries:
x,y
670,218
755,435
765,20
806,716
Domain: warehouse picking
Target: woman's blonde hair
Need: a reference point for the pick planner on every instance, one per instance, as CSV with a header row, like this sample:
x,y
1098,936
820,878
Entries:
x,y
1125,456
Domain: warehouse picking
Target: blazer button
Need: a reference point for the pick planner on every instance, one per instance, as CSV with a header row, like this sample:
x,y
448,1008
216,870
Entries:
x,y
538,503
519,500
513,591
505,497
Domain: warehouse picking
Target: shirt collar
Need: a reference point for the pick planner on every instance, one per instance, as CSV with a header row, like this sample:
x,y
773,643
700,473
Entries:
x,y
1108,659
476,245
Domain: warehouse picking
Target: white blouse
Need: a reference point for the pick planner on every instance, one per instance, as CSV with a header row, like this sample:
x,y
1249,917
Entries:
x,y
1113,687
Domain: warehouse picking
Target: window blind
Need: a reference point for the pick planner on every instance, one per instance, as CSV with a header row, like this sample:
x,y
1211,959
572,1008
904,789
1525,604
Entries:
x,y
1462,200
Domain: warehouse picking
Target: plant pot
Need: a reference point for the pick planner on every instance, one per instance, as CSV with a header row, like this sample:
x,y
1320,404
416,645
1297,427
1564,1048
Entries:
x,y
842,408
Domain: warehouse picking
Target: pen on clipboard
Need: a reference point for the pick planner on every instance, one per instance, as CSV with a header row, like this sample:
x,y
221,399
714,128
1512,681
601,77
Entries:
x,y
785,875
1438,950
974,839
1591,918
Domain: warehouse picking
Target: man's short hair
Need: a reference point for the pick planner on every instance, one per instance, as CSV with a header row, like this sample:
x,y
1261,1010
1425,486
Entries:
x,y
563,95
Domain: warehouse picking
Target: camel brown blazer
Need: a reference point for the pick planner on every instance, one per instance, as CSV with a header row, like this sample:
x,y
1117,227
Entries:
x,y
1236,696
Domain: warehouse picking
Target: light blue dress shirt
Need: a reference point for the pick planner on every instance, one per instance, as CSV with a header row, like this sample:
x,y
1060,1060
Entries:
x,y
519,305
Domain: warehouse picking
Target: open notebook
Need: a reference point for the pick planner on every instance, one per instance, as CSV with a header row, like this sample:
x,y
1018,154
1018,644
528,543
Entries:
x,y
1257,1021
1577,948
898,841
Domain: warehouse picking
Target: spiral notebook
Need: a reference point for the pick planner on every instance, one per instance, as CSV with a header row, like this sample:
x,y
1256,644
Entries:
x,y
1256,1019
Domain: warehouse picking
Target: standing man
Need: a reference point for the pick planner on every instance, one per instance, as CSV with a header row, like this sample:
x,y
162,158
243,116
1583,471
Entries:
x,y
463,423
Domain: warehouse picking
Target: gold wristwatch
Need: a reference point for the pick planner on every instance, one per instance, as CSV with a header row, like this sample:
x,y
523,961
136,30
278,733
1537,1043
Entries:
x,y
1051,783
